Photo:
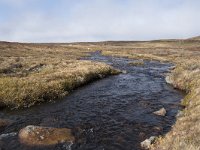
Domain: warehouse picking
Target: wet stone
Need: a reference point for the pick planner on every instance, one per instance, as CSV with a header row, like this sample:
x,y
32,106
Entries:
x,y
141,134
44,136
4,123
161,112
168,79
147,143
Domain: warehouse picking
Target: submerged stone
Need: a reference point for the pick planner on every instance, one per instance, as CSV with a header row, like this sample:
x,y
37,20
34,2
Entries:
x,y
4,123
124,71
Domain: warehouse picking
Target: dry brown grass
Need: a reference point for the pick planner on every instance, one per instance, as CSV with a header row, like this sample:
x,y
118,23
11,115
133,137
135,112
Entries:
x,y
32,73
185,54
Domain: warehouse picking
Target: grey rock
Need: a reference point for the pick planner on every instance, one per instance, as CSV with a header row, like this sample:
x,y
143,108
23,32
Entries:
x,y
124,71
160,112
168,79
179,114
147,143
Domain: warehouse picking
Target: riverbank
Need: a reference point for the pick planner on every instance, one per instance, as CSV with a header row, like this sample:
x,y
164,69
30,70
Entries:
x,y
34,73
185,134
185,54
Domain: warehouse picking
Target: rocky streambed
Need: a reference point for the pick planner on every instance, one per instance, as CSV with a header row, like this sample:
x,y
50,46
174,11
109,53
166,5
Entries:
x,y
118,112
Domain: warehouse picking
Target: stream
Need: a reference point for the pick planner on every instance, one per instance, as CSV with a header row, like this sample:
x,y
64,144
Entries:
x,y
114,113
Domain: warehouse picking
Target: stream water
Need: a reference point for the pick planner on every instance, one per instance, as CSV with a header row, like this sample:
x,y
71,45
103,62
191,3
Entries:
x,y
115,113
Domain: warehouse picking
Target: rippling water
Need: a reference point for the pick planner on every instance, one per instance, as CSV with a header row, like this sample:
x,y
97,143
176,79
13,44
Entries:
x,y
114,113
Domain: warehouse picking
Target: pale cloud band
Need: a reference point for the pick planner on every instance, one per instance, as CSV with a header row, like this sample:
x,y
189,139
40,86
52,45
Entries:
x,y
97,20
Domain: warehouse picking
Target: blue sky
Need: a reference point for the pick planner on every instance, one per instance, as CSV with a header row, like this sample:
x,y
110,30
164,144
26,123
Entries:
x,y
97,20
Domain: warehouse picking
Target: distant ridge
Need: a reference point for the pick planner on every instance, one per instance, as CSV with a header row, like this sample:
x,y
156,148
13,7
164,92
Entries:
x,y
195,38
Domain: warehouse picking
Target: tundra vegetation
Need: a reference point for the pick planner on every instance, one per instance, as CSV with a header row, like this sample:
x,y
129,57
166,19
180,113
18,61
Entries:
x,y
33,73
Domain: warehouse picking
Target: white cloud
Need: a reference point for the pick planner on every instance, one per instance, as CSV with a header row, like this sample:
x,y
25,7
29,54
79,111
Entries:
x,y
103,20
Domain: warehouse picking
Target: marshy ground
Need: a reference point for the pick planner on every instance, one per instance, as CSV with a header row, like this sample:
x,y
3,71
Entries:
x,y
33,73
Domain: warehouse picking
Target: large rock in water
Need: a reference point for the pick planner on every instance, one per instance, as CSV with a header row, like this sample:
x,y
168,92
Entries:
x,y
44,136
